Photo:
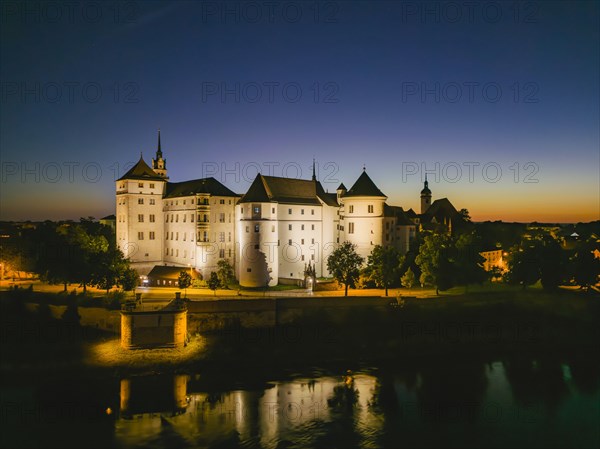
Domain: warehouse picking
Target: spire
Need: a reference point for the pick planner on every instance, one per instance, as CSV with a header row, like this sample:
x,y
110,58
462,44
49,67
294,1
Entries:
x,y
426,190
314,176
158,151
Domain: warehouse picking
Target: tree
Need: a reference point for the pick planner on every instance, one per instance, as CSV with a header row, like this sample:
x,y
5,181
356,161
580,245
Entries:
x,y
344,264
184,281
464,214
586,267
383,264
129,279
225,273
523,264
213,282
109,266
409,280
434,261
469,261
552,262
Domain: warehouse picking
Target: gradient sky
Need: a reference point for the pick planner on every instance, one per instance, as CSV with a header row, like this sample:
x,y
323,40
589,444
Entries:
x,y
155,63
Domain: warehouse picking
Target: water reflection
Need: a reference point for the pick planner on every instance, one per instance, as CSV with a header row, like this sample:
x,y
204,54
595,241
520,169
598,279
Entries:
x,y
513,402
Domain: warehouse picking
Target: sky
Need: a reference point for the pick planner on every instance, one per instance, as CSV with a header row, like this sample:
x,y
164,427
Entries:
x,y
498,102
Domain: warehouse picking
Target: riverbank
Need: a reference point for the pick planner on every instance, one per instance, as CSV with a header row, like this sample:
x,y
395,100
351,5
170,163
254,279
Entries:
x,y
328,331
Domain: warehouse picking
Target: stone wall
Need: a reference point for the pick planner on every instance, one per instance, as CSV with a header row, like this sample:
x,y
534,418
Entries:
x,y
153,329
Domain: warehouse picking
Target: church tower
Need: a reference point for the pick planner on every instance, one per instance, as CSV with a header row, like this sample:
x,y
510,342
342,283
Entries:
x,y
159,165
425,196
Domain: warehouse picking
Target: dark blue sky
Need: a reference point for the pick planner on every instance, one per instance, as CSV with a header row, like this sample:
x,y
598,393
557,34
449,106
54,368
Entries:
x,y
373,83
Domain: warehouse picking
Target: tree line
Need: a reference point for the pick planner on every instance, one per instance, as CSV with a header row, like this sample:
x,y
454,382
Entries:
x,y
442,261
83,253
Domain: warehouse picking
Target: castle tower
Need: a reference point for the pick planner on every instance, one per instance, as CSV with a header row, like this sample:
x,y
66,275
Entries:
x,y
425,196
159,165
139,215
258,235
363,219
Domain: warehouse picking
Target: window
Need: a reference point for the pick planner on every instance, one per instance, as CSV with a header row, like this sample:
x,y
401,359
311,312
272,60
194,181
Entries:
x,y
221,236
183,201
171,235
272,210
290,242
184,236
140,185
166,218
229,250
151,218
302,242
185,253
151,235
151,185
191,218
242,210
312,241
312,227
312,257
167,236
302,227
221,218
257,246
229,237
176,253
301,211
302,256
256,228
312,211
256,210
140,200
289,227
289,211
272,228
177,236
350,228
177,218
141,218
247,229
221,251
166,251
184,217
249,270
221,201
370,208
140,236
152,201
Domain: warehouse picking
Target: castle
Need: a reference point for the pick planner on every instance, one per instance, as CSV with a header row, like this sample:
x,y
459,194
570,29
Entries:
x,y
270,234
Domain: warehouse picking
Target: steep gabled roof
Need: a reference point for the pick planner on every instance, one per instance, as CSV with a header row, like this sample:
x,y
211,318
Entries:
x,y
364,186
266,189
204,185
410,213
439,210
398,213
141,170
